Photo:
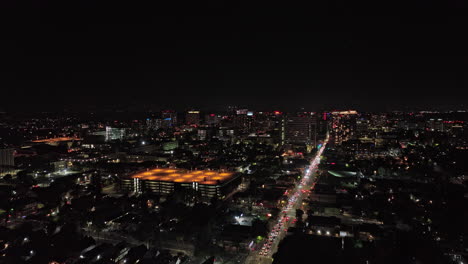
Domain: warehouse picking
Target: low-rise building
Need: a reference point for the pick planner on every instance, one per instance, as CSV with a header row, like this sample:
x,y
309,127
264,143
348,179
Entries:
x,y
164,181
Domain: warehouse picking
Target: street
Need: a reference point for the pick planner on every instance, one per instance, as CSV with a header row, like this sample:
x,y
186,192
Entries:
x,y
288,214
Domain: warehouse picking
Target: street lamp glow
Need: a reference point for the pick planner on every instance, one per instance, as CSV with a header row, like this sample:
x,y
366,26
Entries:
x,y
294,200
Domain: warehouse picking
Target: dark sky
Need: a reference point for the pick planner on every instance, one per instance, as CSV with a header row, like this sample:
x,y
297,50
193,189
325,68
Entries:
x,y
370,54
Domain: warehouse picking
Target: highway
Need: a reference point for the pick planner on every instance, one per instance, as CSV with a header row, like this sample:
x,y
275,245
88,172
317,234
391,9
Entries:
x,y
288,214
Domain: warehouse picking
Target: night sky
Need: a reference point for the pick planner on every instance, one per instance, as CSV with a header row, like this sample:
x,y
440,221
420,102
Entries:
x,y
372,55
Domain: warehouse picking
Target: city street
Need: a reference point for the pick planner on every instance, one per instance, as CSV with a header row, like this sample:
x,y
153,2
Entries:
x,y
288,214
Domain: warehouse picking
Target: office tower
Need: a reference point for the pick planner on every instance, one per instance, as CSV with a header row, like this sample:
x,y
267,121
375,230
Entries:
x,y
212,119
169,118
362,127
150,123
153,123
113,133
192,117
300,129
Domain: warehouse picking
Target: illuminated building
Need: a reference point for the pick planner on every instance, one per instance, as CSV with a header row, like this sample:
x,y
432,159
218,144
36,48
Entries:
x,y
212,119
163,181
52,140
362,127
300,129
57,141
242,111
169,119
323,123
243,119
348,112
153,123
202,134
192,118
171,145
435,125
225,132
113,133
453,126
344,128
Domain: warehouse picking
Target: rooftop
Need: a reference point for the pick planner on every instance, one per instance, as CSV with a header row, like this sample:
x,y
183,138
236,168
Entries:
x,y
59,139
180,175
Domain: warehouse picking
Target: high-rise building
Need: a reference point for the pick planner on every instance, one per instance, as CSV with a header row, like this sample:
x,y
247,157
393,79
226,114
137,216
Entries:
x,y
323,123
300,129
192,117
169,118
212,119
150,123
362,127
343,127
153,123
243,120
114,133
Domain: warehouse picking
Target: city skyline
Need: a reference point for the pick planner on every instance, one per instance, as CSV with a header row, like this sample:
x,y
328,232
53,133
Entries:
x,y
223,132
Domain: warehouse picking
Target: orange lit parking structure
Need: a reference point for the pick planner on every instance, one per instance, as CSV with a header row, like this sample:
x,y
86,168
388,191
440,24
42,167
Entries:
x,y
163,181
